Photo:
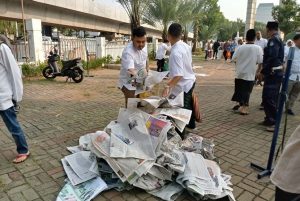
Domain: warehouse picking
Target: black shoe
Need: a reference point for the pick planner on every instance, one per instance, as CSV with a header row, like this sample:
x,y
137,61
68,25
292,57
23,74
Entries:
x,y
266,123
290,112
236,107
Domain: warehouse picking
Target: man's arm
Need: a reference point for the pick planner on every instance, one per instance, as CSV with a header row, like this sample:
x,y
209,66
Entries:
x,y
13,72
172,83
127,63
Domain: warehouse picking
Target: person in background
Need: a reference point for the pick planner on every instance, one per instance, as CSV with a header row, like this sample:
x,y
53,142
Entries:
x,y
11,92
210,49
232,47
272,72
206,47
289,44
182,77
161,53
294,79
134,63
260,41
216,46
240,43
286,174
247,57
226,49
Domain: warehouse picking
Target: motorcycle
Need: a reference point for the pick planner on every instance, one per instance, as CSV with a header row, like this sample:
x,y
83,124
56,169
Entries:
x,y
72,69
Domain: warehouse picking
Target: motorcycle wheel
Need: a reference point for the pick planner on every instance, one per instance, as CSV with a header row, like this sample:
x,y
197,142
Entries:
x,y
77,75
48,73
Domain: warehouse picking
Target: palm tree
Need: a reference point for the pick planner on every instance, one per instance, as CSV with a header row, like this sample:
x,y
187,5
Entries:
x,y
161,12
135,10
185,16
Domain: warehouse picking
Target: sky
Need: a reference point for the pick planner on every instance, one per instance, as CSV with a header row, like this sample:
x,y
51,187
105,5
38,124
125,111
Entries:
x,y
233,9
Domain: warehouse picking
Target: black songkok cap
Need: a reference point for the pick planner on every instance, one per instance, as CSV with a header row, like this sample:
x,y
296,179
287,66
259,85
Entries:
x,y
272,25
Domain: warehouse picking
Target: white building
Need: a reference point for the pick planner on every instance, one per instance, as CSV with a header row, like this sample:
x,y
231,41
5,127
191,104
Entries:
x,y
264,12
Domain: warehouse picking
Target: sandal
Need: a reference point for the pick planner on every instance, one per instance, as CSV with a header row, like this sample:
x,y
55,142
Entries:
x,y
21,158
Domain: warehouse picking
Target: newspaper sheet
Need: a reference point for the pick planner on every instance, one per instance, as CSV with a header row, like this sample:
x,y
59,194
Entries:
x,y
154,102
74,179
201,177
74,149
180,114
127,169
80,163
160,172
149,182
131,139
137,136
174,159
169,192
147,84
83,192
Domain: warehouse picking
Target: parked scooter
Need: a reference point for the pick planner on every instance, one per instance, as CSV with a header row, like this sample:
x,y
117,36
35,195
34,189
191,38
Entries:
x,y
72,69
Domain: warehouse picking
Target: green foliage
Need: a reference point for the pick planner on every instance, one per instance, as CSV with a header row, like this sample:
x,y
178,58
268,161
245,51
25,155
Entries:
x,y
288,16
118,60
152,54
135,9
97,63
161,12
228,29
108,59
8,27
32,70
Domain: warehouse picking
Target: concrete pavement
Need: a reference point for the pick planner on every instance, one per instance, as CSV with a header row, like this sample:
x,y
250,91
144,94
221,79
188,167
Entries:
x,y
54,114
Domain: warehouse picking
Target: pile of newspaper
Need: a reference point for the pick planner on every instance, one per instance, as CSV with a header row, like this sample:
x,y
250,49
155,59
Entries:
x,y
143,149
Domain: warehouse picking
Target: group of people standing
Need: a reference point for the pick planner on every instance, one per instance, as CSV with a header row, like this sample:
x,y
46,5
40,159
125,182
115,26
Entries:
x,y
265,60
270,56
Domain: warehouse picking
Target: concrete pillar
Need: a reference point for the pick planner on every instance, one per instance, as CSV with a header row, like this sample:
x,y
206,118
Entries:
x,y
100,47
251,13
35,41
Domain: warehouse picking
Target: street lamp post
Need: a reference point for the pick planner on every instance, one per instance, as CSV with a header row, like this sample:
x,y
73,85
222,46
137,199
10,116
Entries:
x,y
24,31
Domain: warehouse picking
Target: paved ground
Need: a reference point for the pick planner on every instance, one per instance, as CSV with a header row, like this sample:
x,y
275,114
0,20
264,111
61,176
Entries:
x,y
54,114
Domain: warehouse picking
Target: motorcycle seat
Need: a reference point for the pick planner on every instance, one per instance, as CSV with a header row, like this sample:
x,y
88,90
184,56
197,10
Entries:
x,y
71,63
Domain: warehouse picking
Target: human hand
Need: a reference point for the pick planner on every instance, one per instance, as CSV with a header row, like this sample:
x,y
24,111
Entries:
x,y
166,92
260,77
16,106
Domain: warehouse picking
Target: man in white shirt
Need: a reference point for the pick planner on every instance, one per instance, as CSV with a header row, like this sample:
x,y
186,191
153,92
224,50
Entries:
x,y
260,41
160,55
247,57
294,79
181,71
289,44
286,174
11,92
134,64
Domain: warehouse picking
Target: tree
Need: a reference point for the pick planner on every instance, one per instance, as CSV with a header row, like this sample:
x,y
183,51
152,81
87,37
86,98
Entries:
x,y
259,26
135,9
162,13
185,16
211,19
288,15
7,27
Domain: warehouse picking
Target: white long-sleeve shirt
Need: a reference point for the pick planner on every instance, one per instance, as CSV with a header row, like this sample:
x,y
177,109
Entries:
x,y
11,86
295,69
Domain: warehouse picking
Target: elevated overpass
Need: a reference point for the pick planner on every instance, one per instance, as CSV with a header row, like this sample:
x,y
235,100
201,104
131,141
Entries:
x,y
93,15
